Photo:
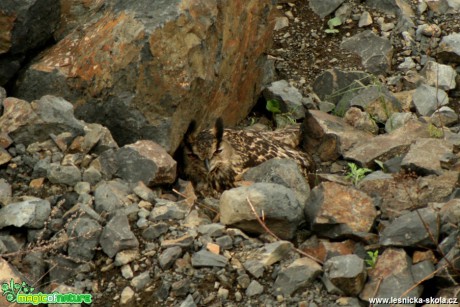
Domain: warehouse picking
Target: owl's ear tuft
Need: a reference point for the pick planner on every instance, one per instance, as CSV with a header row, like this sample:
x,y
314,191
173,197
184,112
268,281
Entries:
x,y
219,129
190,134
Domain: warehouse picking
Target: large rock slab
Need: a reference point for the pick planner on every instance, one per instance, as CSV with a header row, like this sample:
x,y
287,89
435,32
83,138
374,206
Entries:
x,y
282,211
145,69
26,25
424,156
387,146
334,211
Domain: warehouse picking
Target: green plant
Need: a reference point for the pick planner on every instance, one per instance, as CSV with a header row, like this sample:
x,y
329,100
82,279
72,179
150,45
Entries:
x,y
435,132
332,23
373,257
274,106
356,174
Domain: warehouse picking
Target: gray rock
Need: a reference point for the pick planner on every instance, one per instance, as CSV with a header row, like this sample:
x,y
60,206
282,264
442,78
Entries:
x,y
141,281
225,242
375,51
439,75
282,211
449,48
420,271
180,287
106,164
110,196
266,256
35,265
281,171
168,210
188,302
117,236
424,156
331,85
64,174
255,267
84,238
204,258
348,273
324,8
409,229
408,64
428,99
297,275
365,19
185,241
31,213
168,256
51,115
213,230
285,93
91,175
397,120
154,231
444,117
145,161
144,192
254,288
360,120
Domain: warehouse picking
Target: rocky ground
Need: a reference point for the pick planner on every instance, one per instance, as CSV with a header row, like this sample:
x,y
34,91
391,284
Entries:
x,y
378,97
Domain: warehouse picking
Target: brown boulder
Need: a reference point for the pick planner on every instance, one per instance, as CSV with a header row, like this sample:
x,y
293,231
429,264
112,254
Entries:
x,y
146,69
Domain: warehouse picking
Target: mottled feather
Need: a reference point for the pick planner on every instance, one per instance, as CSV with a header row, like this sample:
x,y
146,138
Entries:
x,y
217,158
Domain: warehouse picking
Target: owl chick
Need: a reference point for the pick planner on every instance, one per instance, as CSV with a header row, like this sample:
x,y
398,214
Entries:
x,y
217,158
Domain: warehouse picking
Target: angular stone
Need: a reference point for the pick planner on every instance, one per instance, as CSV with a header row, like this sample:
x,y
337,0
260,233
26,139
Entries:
x,y
282,211
387,146
334,211
145,161
69,174
375,51
297,275
254,288
400,193
5,157
16,113
323,249
168,256
449,48
324,8
117,236
141,281
126,256
283,92
157,54
360,120
31,213
110,196
168,210
439,75
332,85
184,241
127,296
348,273
424,156
330,137
391,277
212,230
205,258
444,117
84,238
397,120
377,101
427,99
281,171
410,229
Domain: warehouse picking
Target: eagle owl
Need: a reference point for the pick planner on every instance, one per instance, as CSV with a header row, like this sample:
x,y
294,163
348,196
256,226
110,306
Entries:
x,y
214,159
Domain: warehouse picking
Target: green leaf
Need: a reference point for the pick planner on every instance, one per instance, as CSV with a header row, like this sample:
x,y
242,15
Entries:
x,y
273,106
331,31
334,22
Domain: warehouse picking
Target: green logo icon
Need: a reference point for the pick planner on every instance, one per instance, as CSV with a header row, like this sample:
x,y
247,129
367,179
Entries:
x,y
12,289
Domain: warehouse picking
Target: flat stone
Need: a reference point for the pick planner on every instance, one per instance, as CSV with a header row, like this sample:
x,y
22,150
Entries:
x,y
64,174
168,256
168,210
324,8
439,75
141,281
254,288
427,99
110,196
204,258
84,238
285,93
449,48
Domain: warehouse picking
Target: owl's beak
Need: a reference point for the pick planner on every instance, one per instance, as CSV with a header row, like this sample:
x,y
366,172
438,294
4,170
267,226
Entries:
x,y
206,163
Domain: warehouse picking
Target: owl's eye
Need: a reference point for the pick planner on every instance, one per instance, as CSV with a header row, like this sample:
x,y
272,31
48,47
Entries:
x,y
218,151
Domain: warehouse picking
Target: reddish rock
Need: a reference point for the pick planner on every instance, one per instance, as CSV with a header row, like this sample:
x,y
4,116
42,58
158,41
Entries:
x,y
146,69
324,249
334,210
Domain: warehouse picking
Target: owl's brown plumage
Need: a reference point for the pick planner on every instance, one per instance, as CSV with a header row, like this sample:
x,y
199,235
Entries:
x,y
217,158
